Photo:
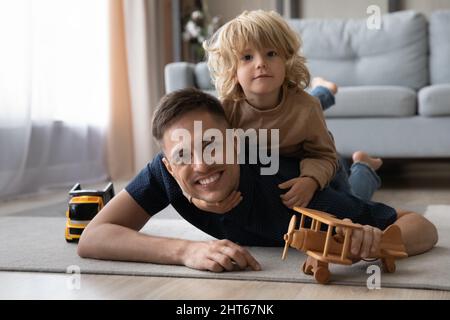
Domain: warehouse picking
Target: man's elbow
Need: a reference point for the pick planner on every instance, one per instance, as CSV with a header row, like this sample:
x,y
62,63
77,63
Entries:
x,y
85,244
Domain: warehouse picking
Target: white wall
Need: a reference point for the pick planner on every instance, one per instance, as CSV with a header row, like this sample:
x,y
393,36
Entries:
x,y
427,6
341,9
229,9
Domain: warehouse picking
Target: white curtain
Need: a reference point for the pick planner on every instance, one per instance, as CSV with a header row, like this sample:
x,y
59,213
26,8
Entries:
x,y
53,93
144,29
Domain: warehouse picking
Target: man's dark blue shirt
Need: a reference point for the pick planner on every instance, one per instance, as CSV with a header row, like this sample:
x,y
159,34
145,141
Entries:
x,y
260,219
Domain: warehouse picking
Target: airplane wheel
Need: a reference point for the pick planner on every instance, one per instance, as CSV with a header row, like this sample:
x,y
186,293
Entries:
x,y
389,265
322,275
307,268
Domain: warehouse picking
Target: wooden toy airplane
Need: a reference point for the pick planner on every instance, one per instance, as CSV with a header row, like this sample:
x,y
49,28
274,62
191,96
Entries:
x,y
322,247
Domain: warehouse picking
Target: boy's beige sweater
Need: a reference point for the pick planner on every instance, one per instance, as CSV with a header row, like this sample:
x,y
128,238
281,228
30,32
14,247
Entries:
x,y
302,131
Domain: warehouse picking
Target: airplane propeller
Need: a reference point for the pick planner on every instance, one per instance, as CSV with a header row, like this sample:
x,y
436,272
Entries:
x,y
289,235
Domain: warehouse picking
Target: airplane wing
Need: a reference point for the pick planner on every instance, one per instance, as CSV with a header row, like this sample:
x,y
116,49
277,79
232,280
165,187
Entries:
x,y
326,218
330,258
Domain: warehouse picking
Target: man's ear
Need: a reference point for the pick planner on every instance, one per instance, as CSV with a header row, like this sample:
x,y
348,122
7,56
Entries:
x,y
168,166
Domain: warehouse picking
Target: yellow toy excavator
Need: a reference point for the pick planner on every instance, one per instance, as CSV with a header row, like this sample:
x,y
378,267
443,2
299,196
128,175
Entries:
x,y
83,206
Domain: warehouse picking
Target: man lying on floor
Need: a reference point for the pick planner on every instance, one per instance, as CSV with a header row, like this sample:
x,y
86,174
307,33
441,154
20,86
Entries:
x,y
259,219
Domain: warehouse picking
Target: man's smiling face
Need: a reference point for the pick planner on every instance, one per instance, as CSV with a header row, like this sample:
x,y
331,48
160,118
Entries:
x,y
209,182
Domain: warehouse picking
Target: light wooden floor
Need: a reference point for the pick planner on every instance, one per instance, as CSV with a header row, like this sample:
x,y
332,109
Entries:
x,y
21,285
414,186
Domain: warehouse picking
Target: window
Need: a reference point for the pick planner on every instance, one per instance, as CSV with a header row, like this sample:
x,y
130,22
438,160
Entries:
x,y
54,60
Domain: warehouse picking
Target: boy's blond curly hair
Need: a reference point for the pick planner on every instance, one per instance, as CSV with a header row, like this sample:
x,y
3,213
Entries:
x,y
261,29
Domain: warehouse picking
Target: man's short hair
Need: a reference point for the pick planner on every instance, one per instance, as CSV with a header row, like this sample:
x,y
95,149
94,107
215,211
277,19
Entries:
x,y
175,104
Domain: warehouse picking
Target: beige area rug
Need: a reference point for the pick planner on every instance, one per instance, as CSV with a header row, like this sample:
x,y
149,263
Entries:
x,y
37,244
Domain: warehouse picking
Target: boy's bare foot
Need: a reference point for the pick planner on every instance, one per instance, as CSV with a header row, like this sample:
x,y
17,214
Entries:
x,y
361,156
318,81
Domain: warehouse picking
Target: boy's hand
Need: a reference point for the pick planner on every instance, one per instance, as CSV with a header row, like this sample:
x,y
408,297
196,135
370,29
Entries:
x,y
301,193
223,206
365,242
218,256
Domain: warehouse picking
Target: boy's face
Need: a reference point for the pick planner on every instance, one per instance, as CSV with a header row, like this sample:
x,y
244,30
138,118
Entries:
x,y
260,73
208,182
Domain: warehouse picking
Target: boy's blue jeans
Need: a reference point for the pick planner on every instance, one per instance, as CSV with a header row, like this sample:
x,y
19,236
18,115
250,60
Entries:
x,y
324,95
360,179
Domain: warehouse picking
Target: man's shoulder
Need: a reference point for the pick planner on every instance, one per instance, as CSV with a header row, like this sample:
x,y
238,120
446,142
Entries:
x,y
153,188
155,166
154,172
157,160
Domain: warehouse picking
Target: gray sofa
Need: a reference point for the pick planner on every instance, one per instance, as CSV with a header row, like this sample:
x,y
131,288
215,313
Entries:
x,y
394,95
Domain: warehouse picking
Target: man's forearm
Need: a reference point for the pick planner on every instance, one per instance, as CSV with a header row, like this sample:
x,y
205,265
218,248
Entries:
x,y
115,242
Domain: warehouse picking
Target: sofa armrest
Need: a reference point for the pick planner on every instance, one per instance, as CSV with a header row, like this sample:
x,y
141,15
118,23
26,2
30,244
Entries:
x,y
434,100
179,75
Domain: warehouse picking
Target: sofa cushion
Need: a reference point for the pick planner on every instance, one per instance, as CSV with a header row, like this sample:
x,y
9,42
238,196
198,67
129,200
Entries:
x,y
440,47
373,101
348,53
435,100
203,77
407,137
179,75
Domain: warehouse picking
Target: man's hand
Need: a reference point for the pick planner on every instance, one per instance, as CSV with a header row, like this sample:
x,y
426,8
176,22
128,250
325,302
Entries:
x,y
223,206
301,193
365,242
217,256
